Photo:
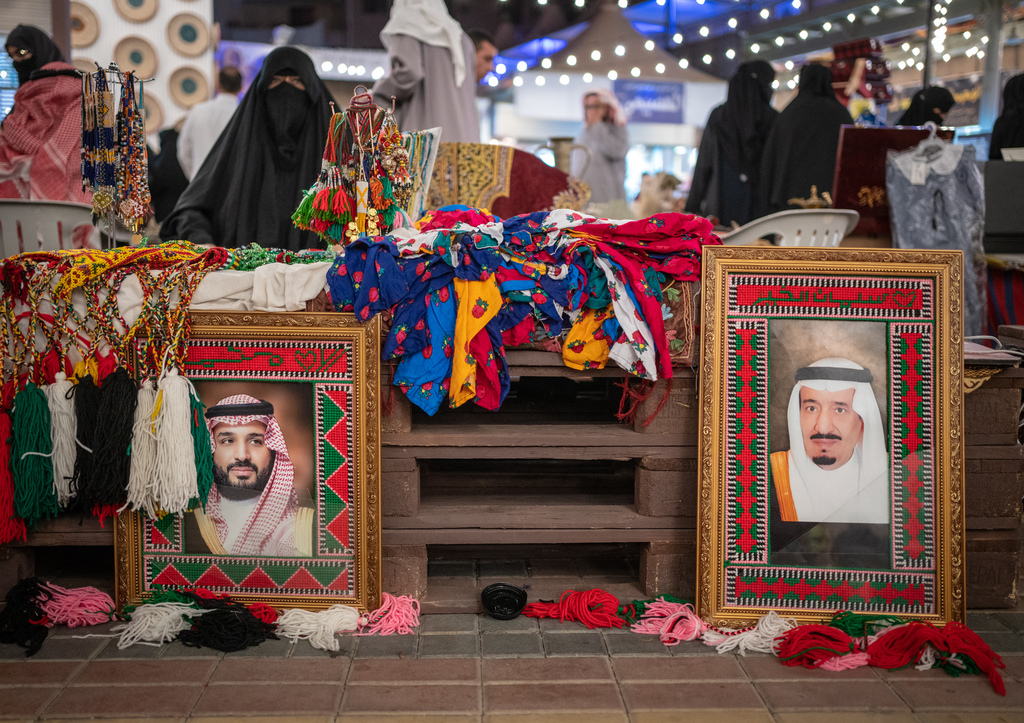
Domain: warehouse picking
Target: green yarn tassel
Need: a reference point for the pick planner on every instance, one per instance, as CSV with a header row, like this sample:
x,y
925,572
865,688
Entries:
x,y
163,596
857,625
201,449
35,498
304,212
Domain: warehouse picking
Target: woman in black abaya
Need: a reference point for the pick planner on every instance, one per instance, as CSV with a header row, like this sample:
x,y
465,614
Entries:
x,y
267,156
1008,131
801,149
928,104
725,178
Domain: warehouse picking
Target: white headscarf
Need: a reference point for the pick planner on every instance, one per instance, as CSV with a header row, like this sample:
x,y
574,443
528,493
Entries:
x,y
429,22
829,491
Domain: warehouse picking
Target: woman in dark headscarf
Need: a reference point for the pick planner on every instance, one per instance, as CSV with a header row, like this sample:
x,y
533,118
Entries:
x,y
41,138
928,104
267,156
801,149
725,178
1008,130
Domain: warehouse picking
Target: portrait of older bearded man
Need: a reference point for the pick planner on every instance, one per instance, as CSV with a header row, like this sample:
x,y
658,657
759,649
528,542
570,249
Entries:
x,y
253,508
837,467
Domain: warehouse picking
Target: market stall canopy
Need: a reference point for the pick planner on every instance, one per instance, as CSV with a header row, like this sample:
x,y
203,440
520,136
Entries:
x,y
610,43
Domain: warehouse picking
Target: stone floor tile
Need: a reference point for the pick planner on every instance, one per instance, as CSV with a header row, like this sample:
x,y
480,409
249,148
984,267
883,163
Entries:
x,y
411,670
692,648
554,568
283,699
30,672
448,624
300,670
515,625
701,716
175,649
451,568
985,623
554,625
138,651
1007,642
588,643
504,569
870,695
141,672
148,719
560,717
636,645
650,669
1014,667
261,719
844,717
551,697
412,718
970,717
126,701
407,698
1011,619
346,644
386,646
770,668
504,644
279,648
25,701
546,670
66,648
441,646
968,693
62,631
683,695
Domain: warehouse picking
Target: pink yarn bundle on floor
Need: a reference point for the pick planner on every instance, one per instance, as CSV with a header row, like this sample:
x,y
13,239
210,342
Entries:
x,y
395,616
78,606
671,622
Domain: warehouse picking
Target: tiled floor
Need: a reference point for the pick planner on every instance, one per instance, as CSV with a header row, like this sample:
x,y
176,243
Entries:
x,y
472,668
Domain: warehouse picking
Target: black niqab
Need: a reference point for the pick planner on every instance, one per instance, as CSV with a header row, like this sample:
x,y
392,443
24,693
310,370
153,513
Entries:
x,y
747,115
37,42
264,160
1008,130
801,149
922,106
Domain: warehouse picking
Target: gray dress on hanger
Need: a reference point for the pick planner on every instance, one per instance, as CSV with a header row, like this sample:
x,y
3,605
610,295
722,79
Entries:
x,y
937,201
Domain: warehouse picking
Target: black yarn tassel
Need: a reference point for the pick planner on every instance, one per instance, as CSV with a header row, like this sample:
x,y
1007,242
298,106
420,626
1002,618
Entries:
x,y
230,628
87,406
110,459
21,620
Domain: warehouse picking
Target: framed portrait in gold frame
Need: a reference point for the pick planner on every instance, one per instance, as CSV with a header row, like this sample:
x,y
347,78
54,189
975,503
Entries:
x,y
293,517
831,446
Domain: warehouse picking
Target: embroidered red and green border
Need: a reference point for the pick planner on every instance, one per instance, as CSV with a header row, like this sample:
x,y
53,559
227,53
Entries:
x,y
912,475
334,508
830,297
162,534
746,464
829,590
269,360
264,576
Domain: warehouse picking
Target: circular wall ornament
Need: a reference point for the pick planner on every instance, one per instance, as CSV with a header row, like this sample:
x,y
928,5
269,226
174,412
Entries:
x,y
188,86
85,28
138,11
135,53
86,65
154,113
188,34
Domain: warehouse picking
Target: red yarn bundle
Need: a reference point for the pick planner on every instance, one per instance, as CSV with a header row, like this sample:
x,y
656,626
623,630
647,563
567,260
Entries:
x,y
813,645
594,608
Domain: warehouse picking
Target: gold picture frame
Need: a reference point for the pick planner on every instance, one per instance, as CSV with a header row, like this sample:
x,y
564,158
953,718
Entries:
x,y
860,354
320,373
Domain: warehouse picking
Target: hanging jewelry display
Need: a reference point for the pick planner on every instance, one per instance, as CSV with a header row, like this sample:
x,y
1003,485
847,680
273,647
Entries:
x,y
99,143
132,178
364,177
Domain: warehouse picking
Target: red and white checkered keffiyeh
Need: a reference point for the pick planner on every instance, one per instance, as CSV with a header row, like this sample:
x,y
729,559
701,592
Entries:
x,y
278,501
41,141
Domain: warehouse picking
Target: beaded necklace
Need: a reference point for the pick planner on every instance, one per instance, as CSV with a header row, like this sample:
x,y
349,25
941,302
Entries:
x,y
101,177
132,179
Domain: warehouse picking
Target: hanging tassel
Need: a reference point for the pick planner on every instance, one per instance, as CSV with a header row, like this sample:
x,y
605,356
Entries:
x,y
78,606
110,462
156,624
263,612
176,483
63,427
759,638
228,629
304,212
671,622
105,366
395,616
859,625
34,496
22,621
87,398
812,645
202,453
633,395
594,608
142,474
12,527
321,628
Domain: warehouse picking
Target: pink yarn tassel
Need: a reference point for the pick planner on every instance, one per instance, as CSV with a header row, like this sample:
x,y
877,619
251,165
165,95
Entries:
x,y
78,606
846,662
395,616
671,622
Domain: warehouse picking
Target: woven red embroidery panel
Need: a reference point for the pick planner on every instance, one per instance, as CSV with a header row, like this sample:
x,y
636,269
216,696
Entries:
x,y
268,360
262,576
829,590
830,297
334,417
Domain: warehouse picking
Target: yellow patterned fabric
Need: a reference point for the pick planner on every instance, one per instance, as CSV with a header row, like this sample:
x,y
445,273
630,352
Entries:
x,y
474,174
479,302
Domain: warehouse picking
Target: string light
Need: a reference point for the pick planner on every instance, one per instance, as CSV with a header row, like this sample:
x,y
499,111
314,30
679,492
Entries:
x,y
804,34
730,53
500,69
540,80
789,65
707,60
521,66
775,85
612,75
733,22
902,64
916,52
341,69
571,60
659,68
826,26
563,79
546,63
649,45
684,63
875,9
327,66
765,13
967,35
851,17
984,40
542,2
946,57
635,72
623,3
492,81
780,41
517,81
791,84
906,47
378,73
587,78
981,53
755,48
580,3
677,38
704,31
796,4
620,50
595,54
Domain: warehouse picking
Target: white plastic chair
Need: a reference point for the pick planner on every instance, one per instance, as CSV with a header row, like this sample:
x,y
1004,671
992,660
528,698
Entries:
x,y
39,225
798,227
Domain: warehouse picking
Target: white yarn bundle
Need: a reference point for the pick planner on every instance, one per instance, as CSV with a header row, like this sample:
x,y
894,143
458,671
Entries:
x,y
758,639
176,478
319,628
142,475
156,624
63,428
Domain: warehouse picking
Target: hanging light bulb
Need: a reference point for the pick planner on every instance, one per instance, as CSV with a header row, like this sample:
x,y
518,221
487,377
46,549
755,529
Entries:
x,y
546,63
902,64
635,72
981,53
967,35
730,53
804,34
542,2
563,79
684,63
623,3
492,81
704,31
780,41
539,80
517,81
755,48
595,54
587,78
875,9
378,73
906,47
946,57
791,84
851,17
612,75
620,50
707,60
521,66
789,65
500,69
920,66
775,84
649,45
677,38
826,26
580,3
765,13
571,60
327,66
796,4
984,40
733,22
659,68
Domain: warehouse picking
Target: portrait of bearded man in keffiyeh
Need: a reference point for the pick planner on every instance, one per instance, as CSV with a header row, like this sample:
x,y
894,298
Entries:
x,y
253,507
